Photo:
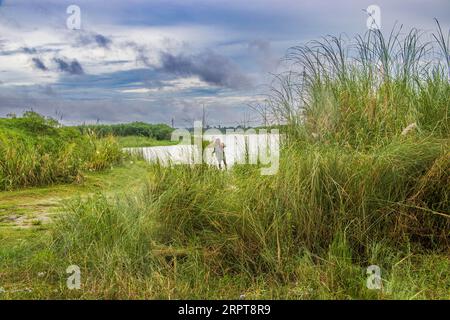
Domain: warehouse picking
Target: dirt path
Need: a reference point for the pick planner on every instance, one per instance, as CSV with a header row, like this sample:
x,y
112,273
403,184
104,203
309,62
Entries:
x,y
31,207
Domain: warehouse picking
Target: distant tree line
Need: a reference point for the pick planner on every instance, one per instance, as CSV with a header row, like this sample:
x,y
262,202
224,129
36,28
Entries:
x,y
156,131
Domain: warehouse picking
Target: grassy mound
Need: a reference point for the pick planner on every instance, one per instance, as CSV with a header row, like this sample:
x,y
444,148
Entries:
x,y
38,151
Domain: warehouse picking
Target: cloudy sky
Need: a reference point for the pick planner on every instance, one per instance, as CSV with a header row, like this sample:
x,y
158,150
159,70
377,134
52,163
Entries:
x,y
161,59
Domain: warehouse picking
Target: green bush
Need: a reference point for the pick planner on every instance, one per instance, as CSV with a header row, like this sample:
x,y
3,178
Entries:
x,y
156,131
37,151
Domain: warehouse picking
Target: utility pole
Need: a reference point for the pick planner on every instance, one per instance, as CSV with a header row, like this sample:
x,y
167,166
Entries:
x,y
172,123
203,116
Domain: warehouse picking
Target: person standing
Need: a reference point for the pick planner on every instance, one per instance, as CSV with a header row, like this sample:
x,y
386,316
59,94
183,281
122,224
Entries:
x,y
219,151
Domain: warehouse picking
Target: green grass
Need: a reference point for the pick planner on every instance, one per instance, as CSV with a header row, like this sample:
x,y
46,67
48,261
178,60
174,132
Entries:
x,y
123,255
26,260
32,201
140,141
38,151
166,242
353,190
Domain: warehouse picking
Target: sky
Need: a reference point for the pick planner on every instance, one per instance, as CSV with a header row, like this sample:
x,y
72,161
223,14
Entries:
x,y
159,60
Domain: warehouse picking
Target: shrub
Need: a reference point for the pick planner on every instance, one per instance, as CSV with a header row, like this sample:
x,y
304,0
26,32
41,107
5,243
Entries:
x,y
38,151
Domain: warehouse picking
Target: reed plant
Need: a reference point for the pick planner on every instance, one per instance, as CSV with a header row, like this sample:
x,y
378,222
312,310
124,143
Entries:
x,y
363,179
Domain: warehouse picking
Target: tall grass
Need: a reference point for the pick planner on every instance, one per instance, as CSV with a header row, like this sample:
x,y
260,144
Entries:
x,y
353,189
319,195
364,91
311,230
37,151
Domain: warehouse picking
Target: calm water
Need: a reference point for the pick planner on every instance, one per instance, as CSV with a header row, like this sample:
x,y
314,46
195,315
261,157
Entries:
x,y
235,150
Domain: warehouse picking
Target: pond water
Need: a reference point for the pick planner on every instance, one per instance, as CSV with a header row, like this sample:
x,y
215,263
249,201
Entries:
x,y
239,148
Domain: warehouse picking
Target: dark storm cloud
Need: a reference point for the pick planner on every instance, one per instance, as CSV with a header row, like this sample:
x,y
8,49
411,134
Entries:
x,y
89,38
25,50
110,82
39,64
73,67
140,52
102,41
208,66
29,50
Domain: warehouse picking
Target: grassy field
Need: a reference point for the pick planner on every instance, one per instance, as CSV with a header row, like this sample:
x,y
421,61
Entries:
x,y
140,141
363,180
136,236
